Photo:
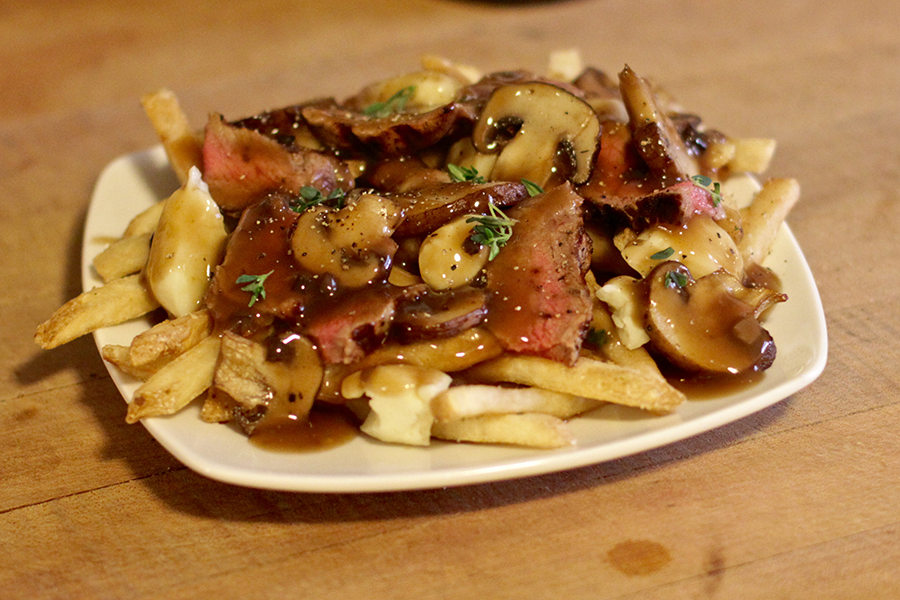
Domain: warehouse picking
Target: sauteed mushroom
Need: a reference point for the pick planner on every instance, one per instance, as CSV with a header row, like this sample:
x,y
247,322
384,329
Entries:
x,y
708,325
550,119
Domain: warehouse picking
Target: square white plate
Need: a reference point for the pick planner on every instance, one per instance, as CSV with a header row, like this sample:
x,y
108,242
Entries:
x,y
133,182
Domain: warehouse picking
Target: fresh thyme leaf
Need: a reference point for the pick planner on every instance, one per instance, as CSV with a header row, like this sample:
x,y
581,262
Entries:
x,y
310,196
532,188
458,173
394,104
663,254
493,230
255,285
704,182
675,279
597,337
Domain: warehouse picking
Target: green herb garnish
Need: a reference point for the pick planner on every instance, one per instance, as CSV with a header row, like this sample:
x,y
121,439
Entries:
x,y
394,104
663,254
704,182
493,230
255,285
458,173
597,337
674,279
532,188
310,196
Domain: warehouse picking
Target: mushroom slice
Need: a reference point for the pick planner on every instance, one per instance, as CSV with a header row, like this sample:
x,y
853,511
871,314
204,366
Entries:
x,y
550,119
400,134
708,325
655,135
424,313
426,209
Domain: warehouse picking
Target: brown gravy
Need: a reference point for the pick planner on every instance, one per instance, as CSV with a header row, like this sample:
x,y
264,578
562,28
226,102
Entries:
x,y
710,388
326,427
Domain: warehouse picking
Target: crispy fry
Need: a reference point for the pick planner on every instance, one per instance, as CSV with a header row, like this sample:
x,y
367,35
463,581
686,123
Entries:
x,y
120,357
530,430
183,146
752,155
465,401
164,341
116,302
123,257
588,377
764,216
178,383
146,220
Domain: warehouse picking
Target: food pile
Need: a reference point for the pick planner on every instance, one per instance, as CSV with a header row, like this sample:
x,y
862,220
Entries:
x,y
448,254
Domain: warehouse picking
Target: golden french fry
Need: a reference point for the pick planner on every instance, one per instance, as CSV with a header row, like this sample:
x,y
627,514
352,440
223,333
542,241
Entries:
x,y
120,357
764,216
217,407
466,401
123,257
164,341
116,302
177,384
588,377
183,145
752,155
527,429
146,220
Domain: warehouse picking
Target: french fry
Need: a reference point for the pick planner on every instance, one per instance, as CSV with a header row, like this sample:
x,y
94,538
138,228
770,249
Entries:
x,y
183,145
164,341
120,357
752,155
530,430
764,216
465,401
588,377
217,407
116,302
123,257
177,384
146,220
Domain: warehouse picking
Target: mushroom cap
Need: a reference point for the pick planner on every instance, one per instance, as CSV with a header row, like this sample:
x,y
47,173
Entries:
x,y
550,119
705,325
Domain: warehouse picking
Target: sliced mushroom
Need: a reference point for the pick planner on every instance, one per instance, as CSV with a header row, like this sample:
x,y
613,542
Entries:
x,y
708,325
448,258
550,120
424,313
397,135
352,244
426,209
269,386
656,137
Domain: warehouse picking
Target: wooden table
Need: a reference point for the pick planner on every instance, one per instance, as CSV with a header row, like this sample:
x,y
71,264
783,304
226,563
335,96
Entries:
x,y
801,500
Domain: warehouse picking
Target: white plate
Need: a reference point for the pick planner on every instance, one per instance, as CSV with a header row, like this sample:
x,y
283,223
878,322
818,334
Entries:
x,y
132,183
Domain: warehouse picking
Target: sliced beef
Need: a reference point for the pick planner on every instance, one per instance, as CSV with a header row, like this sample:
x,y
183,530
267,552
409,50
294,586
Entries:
x,y
242,165
347,329
631,194
538,301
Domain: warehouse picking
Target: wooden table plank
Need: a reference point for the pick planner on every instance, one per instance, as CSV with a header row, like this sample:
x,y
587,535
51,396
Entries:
x,y
797,501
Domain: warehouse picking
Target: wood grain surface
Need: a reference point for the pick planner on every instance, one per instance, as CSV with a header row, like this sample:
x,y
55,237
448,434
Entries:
x,y
801,500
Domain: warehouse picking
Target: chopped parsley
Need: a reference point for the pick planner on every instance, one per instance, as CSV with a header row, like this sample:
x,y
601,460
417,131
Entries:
x,y
255,285
716,190
493,230
458,173
394,104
